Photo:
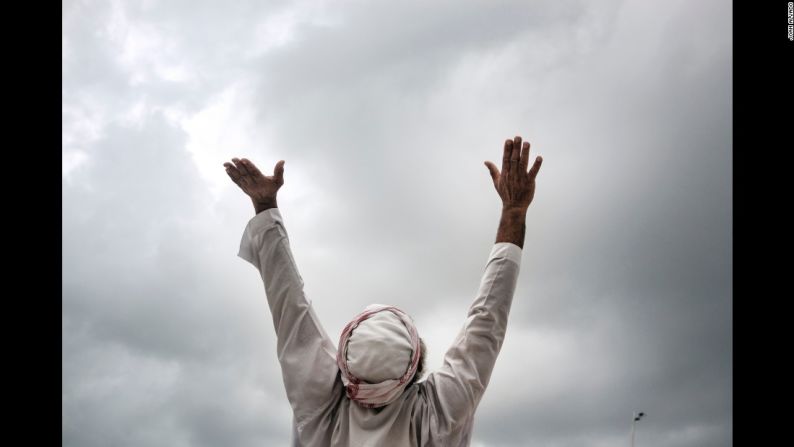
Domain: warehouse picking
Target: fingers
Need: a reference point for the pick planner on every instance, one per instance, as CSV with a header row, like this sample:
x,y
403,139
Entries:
x,y
515,156
244,179
278,172
494,172
244,173
535,167
524,157
240,166
252,169
506,156
233,172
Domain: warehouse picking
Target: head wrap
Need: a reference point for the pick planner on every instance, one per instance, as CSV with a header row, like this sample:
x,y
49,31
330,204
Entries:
x,y
378,355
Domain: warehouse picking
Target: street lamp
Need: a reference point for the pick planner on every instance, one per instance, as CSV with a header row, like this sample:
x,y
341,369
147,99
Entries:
x,y
635,417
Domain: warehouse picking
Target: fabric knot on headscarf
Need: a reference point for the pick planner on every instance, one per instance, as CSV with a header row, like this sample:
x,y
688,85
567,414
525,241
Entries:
x,y
378,355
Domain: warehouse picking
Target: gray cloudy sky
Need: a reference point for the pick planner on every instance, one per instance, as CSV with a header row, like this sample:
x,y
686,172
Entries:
x,y
384,112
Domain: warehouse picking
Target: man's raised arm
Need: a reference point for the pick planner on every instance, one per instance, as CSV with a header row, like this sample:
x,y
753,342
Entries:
x,y
306,353
456,388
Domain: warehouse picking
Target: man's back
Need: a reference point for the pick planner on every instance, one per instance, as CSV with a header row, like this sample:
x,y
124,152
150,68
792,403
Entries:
x,y
438,408
436,411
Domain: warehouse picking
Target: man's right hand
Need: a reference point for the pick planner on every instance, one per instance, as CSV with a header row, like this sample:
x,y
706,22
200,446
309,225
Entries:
x,y
262,189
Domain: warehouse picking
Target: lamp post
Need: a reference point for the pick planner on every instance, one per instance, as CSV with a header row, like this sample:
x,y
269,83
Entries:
x,y
635,417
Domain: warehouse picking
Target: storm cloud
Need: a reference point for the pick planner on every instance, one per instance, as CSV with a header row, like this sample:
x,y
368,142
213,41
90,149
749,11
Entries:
x,y
384,113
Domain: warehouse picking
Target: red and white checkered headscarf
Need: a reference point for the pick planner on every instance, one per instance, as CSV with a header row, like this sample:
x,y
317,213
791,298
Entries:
x,y
383,340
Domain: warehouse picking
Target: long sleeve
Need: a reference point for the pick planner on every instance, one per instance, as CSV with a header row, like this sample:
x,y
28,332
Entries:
x,y
306,353
455,390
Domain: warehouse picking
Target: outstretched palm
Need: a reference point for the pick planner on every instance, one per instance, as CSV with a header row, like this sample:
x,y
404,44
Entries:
x,y
514,184
260,188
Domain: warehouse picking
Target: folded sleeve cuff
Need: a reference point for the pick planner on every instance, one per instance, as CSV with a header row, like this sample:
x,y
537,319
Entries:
x,y
506,250
257,225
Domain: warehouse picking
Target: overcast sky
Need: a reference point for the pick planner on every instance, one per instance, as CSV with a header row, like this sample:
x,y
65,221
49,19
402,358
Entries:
x,y
384,112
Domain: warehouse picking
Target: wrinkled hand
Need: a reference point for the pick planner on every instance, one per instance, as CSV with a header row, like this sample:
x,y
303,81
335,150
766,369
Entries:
x,y
514,184
262,189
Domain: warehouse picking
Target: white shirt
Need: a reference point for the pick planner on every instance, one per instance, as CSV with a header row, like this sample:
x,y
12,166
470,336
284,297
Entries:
x,y
437,411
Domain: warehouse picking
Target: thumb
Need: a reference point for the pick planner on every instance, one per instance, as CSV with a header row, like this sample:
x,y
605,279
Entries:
x,y
278,172
493,170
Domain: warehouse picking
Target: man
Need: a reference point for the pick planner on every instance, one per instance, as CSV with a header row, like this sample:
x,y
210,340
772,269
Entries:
x,y
363,390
